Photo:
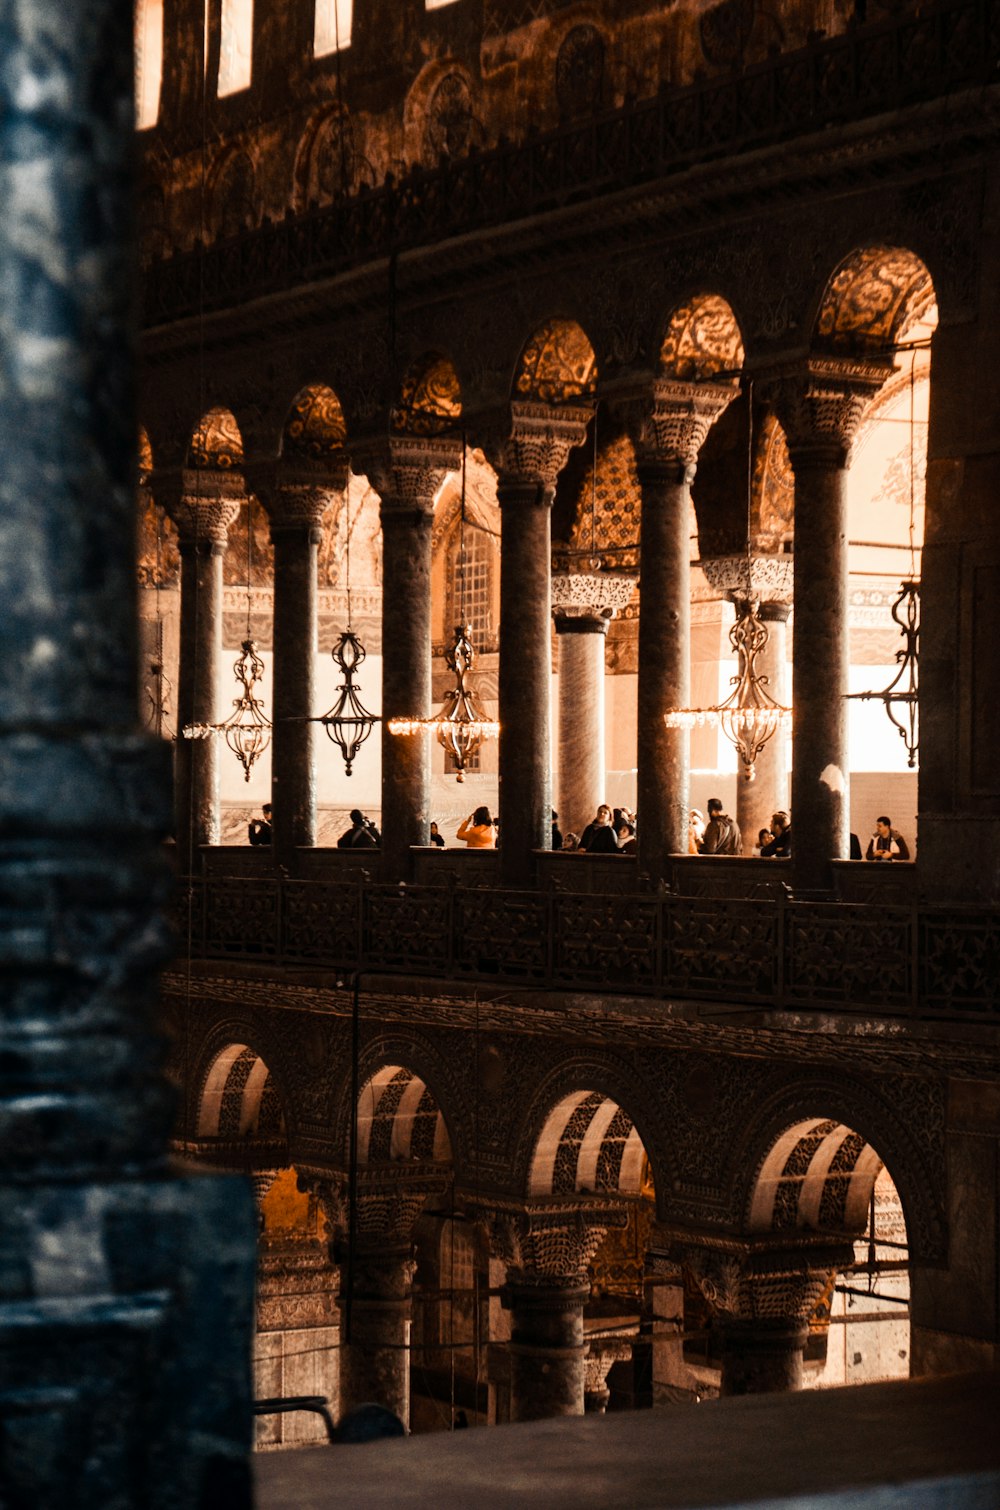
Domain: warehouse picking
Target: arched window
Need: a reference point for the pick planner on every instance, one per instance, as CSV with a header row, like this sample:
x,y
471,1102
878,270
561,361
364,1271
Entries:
x,y
148,61
235,46
470,586
332,26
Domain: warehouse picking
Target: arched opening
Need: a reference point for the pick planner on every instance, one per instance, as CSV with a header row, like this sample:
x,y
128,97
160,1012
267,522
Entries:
x,y
216,443
148,62
702,341
240,1099
880,304
820,1177
315,426
589,1148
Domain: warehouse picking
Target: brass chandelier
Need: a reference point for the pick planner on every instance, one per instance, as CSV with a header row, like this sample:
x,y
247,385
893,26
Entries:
x,y
461,725
348,723
247,730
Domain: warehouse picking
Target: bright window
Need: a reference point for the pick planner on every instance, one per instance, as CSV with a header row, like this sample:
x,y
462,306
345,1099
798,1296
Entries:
x,y
148,61
332,26
436,4
235,46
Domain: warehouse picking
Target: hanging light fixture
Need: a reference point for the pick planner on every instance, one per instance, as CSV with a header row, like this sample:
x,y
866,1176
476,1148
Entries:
x,y
749,717
247,730
158,688
900,698
461,726
348,723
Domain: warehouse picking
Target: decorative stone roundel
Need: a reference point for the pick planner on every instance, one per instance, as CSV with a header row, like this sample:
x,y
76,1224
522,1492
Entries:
x,y
580,71
450,119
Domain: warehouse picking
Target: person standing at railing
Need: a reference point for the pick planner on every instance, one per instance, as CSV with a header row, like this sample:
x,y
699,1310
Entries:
x,y
886,843
362,833
478,830
722,836
780,846
437,838
259,831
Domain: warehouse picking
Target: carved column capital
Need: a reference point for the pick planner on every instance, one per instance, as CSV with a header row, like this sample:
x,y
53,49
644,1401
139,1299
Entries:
x,y
406,471
767,579
551,1243
202,504
820,402
297,495
601,1355
530,448
772,1282
668,420
585,602
330,1193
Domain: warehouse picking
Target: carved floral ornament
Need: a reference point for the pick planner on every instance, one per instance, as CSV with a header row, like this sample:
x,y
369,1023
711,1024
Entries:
x,y
702,341
584,593
557,365
768,579
430,400
669,419
535,445
746,1283
551,1241
315,426
216,444
822,401
873,298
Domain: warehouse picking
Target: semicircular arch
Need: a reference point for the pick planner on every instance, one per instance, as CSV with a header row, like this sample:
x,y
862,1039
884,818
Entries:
x,y
556,365
701,340
871,298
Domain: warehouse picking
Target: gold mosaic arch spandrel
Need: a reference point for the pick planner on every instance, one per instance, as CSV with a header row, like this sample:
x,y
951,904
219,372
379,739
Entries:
x,y
216,443
315,426
430,399
872,299
703,340
617,506
557,365
773,487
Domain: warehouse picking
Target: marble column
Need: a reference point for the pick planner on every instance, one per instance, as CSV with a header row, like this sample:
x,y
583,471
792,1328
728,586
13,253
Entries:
x,y
668,427
296,502
547,1250
583,607
207,505
820,406
770,585
763,1298
527,461
406,473
126,1287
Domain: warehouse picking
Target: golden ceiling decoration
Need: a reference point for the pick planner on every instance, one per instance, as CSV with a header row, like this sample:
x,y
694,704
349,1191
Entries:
x,y
430,400
145,456
315,426
873,298
617,506
702,341
216,443
773,488
158,556
557,365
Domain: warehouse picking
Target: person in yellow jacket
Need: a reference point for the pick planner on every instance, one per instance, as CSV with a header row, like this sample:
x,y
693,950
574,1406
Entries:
x,y
478,830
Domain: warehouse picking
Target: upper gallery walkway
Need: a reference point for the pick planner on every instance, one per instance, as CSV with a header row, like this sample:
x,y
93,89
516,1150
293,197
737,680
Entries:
x,y
717,930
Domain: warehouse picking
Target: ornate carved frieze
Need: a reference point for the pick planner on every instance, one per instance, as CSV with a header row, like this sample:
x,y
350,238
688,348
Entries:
x,y
532,447
296,1287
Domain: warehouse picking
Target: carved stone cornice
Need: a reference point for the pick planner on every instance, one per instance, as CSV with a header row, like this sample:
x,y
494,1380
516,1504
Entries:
x,y
773,1281
550,1242
406,471
531,446
769,579
668,419
821,401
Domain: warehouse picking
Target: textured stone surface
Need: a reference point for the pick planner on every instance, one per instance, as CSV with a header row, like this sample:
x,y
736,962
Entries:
x,y
931,1443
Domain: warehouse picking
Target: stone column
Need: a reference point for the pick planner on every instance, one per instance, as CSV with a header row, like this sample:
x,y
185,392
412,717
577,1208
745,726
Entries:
x,y
547,1250
125,1288
820,407
406,473
763,1298
668,427
296,501
770,585
583,607
206,507
527,461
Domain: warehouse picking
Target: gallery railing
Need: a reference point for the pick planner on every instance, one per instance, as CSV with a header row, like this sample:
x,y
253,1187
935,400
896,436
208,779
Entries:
x,y
868,70
913,961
